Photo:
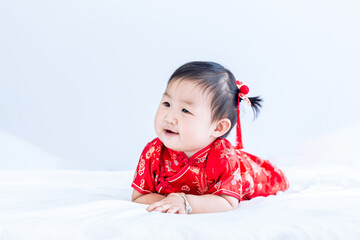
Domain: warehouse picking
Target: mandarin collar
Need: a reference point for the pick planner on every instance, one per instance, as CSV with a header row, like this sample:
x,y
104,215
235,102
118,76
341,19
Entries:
x,y
182,156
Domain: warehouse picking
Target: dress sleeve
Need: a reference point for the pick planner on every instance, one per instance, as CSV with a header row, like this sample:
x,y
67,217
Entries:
x,y
226,178
144,178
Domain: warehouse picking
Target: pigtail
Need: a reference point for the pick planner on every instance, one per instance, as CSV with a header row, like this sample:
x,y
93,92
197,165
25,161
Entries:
x,y
256,104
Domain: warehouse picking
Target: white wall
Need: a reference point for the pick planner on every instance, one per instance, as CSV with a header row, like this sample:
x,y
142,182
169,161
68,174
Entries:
x,y
81,80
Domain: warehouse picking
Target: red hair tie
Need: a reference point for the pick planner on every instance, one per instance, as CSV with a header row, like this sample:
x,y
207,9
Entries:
x,y
243,91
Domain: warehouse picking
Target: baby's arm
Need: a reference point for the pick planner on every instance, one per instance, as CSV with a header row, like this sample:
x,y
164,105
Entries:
x,y
208,203
146,198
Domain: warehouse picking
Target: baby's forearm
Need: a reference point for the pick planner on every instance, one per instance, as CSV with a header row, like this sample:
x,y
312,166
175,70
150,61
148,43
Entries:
x,y
149,198
210,203
207,203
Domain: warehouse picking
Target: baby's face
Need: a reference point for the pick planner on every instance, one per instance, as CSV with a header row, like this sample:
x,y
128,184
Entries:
x,y
183,119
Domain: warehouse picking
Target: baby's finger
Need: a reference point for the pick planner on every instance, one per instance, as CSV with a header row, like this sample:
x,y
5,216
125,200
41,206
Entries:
x,y
172,210
151,207
162,209
181,211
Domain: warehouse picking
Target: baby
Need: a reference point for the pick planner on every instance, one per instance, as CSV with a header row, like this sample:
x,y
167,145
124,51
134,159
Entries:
x,y
191,167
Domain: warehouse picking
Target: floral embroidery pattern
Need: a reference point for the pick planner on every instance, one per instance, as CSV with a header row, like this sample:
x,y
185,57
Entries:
x,y
141,166
250,182
218,185
142,183
148,154
237,176
195,170
201,183
201,159
168,166
185,188
158,149
226,153
200,179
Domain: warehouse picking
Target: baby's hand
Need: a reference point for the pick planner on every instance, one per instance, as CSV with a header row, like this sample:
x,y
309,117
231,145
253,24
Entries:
x,y
173,203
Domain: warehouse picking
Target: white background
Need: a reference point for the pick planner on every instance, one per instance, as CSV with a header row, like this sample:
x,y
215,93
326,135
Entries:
x,y
81,80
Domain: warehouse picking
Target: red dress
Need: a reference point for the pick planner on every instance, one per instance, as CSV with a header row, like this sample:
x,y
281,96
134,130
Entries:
x,y
217,169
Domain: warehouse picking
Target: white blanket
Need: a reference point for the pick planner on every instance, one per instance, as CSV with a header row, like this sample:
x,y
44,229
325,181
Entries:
x,y
323,202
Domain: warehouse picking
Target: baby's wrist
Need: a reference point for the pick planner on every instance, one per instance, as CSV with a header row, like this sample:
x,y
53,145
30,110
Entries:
x,y
188,208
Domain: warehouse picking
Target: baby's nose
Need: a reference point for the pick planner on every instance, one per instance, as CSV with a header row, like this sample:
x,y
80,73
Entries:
x,y
171,118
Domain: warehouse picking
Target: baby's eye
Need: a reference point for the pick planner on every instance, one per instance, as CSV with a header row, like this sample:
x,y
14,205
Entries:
x,y
166,104
185,111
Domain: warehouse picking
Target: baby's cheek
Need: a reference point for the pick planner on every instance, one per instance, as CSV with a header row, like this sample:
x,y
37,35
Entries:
x,y
194,136
157,123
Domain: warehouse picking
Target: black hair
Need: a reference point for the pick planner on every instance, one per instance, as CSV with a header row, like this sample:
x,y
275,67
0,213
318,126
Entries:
x,y
221,84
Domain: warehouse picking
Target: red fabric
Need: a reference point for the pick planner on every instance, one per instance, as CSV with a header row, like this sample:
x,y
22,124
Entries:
x,y
239,143
217,169
243,90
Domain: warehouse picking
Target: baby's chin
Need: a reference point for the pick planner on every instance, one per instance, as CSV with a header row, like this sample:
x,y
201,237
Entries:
x,y
170,145
177,148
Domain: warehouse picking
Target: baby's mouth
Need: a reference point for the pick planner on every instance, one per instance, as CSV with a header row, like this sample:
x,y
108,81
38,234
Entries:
x,y
170,132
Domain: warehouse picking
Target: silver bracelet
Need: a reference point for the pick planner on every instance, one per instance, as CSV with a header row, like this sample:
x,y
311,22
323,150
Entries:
x,y
188,208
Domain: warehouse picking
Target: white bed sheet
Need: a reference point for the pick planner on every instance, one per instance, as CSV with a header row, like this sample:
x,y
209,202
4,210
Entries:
x,y
323,202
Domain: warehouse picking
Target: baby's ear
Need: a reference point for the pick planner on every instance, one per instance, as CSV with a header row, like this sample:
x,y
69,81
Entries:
x,y
222,127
